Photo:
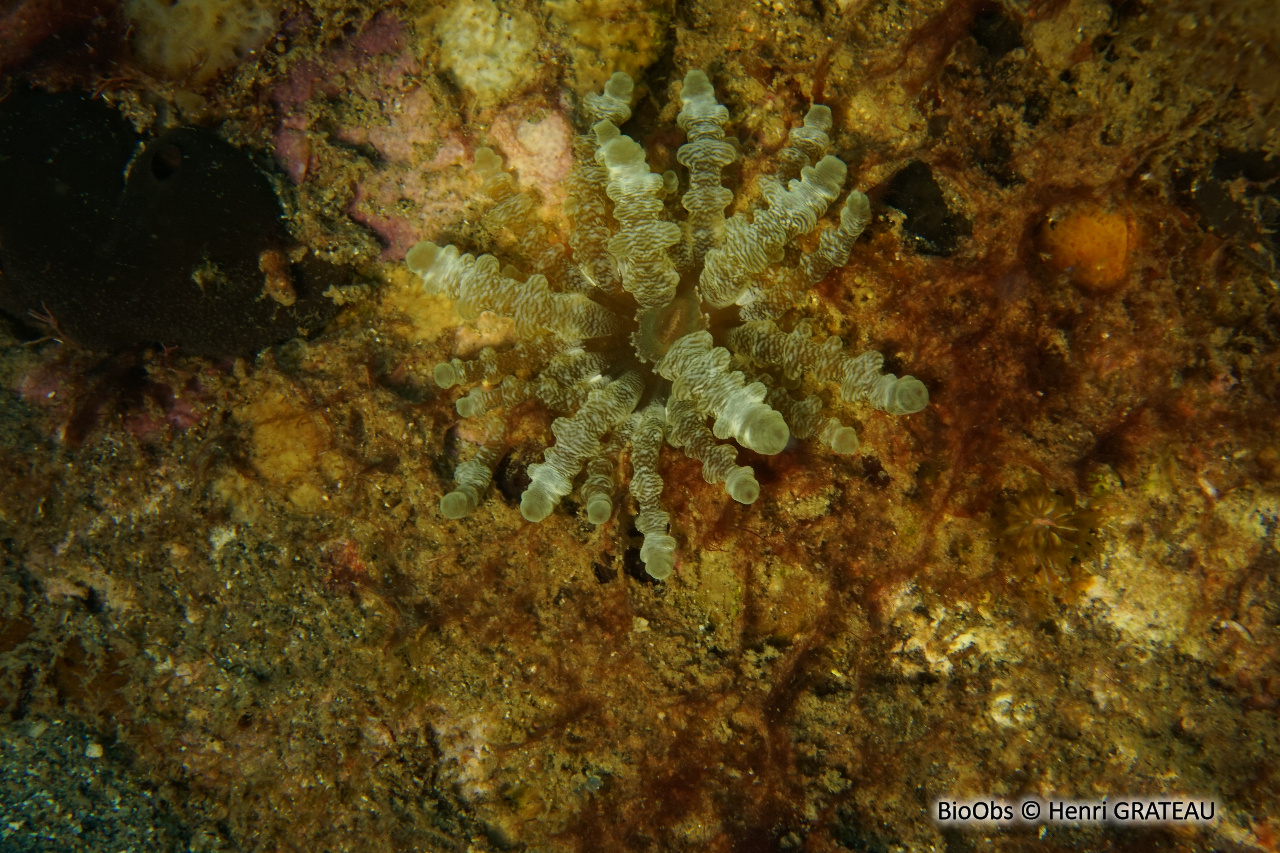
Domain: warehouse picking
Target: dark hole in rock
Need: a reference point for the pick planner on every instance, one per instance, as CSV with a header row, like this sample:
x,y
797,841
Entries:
x,y
167,161
1220,211
511,478
1239,199
634,567
853,832
182,243
1124,10
603,573
997,160
1035,109
1257,166
873,472
995,31
933,227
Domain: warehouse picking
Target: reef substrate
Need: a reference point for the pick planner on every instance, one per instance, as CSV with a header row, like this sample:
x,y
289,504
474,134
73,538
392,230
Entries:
x,y
228,588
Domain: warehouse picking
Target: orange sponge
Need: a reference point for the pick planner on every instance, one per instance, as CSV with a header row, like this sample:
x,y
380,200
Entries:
x,y
1090,244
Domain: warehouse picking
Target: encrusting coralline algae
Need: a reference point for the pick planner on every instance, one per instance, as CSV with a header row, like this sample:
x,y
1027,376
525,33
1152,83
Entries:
x,y
650,326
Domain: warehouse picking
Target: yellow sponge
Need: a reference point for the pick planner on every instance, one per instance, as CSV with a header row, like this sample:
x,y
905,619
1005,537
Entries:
x,y
192,40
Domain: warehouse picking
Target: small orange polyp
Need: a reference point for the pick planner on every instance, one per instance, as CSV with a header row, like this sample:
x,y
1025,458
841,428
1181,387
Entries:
x,y
1090,244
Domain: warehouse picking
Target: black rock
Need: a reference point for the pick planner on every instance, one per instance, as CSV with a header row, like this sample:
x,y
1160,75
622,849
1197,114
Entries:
x,y
181,241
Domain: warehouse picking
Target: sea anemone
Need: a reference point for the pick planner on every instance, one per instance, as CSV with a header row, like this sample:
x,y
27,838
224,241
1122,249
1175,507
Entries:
x,y
649,325
1046,535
